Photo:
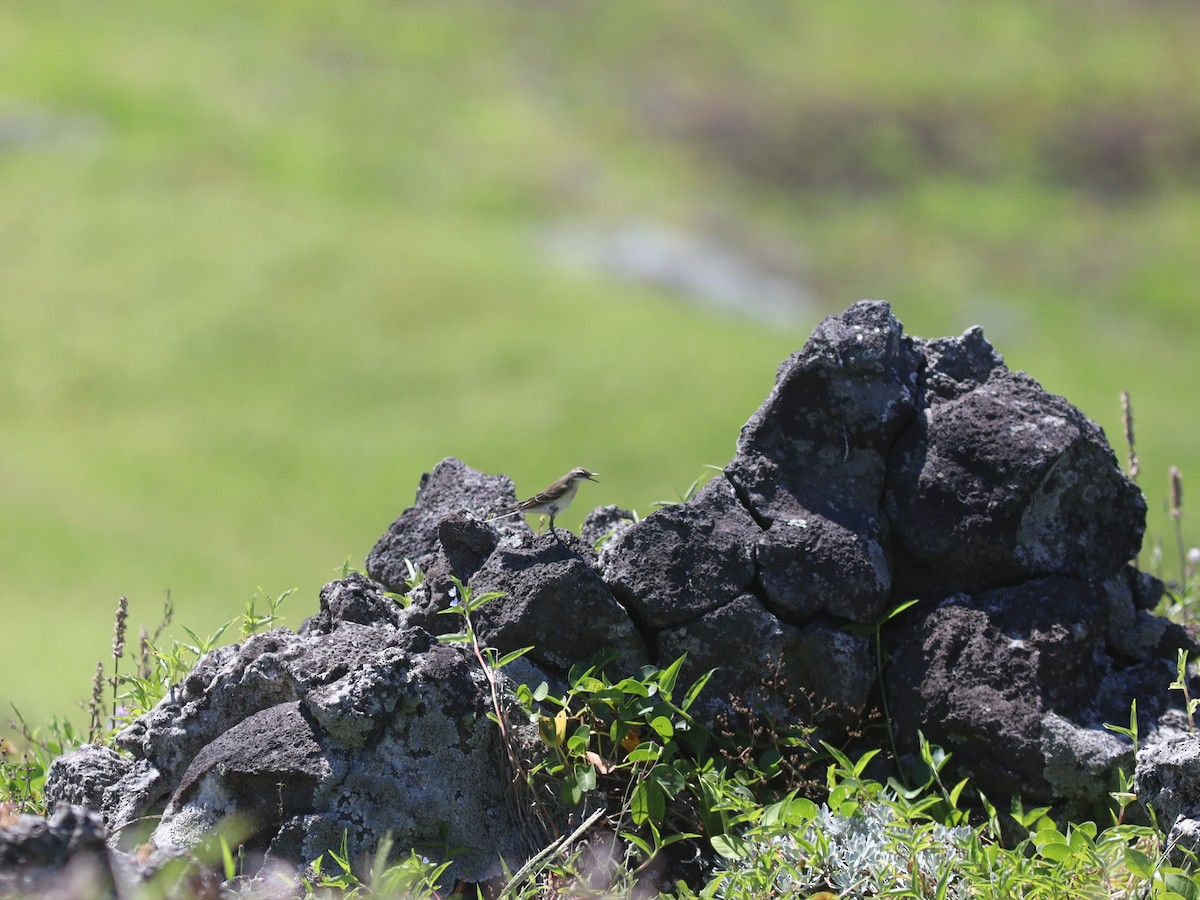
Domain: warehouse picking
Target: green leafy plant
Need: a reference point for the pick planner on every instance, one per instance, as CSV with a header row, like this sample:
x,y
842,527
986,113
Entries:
x,y
254,620
874,840
628,742
143,672
411,876
1181,684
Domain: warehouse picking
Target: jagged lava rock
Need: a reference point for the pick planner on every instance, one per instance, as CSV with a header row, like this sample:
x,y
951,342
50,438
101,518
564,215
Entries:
x,y
811,466
63,855
452,487
816,674
1006,482
556,602
1018,682
352,726
684,560
1167,781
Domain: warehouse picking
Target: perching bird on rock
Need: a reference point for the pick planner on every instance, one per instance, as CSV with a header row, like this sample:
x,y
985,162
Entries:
x,y
553,500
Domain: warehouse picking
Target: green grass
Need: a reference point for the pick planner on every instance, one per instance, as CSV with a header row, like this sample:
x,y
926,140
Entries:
x,y
263,265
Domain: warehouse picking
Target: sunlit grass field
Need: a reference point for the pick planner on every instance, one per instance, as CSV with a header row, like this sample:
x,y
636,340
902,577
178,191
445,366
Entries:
x,y
261,265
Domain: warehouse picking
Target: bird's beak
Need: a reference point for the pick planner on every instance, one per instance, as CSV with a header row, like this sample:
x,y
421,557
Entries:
x,y
592,477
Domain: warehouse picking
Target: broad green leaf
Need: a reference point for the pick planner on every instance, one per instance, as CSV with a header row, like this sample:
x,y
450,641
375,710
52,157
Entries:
x,y
1180,884
1138,863
646,751
632,686
1079,839
585,776
663,727
1056,851
671,780
571,792
647,803
580,740
791,810
729,846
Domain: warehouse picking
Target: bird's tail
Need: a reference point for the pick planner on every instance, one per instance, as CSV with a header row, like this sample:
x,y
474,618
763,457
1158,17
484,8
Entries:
x,y
505,513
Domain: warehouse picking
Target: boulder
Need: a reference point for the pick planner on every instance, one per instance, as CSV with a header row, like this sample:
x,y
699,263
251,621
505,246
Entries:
x,y
1018,682
85,778
814,676
555,601
819,444
1167,782
812,465
1003,483
684,560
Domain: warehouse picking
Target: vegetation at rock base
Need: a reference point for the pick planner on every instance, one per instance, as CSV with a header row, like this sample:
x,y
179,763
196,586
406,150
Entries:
x,y
249,247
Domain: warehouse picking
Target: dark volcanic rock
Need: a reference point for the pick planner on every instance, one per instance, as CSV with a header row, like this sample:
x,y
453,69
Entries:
x,y
261,771
450,488
812,566
684,560
379,730
83,778
1167,781
817,675
232,683
957,366
605,522
812,465
556,602
1008,482
64,855
819,443
1018,683
466,543
352,599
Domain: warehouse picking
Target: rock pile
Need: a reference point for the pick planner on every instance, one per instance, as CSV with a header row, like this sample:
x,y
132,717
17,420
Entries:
x,y
881,469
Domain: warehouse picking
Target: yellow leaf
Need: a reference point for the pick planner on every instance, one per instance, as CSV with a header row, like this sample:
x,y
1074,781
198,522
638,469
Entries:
x,y
553,731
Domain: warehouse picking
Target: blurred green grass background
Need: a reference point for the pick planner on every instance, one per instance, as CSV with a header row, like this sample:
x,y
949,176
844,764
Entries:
x,y
261,265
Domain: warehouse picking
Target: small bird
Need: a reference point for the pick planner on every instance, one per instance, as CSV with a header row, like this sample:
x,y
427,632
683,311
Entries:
x,y
552,500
